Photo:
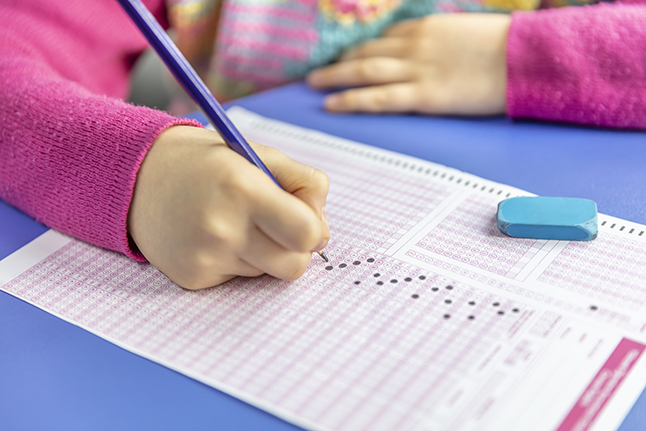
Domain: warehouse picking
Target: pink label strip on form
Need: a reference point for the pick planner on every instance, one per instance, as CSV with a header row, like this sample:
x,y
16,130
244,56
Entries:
x,y
603,386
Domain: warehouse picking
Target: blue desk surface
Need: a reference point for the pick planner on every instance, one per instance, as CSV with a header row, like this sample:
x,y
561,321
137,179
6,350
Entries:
x,y
55,376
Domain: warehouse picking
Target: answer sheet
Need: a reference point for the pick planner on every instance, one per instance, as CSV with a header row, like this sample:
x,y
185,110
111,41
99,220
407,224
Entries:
x,y
426,317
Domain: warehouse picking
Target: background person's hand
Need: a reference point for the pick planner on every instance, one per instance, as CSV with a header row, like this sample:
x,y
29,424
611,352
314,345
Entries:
x,y
202,214
441,64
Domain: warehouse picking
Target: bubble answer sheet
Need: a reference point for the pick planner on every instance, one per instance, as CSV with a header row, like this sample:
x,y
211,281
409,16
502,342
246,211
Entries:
x,y
425,318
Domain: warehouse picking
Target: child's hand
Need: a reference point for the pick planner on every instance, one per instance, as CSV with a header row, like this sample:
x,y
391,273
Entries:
x,y
440,64
202,214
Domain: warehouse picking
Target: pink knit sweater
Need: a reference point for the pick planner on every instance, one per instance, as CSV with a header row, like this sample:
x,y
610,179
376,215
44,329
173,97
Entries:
x,y
584,65
70,148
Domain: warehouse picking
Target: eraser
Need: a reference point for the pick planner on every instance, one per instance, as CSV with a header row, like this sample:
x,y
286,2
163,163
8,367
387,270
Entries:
x,y
540,217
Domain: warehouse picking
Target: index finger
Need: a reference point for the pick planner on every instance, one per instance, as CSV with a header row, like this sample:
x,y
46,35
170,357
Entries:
x,y
368,71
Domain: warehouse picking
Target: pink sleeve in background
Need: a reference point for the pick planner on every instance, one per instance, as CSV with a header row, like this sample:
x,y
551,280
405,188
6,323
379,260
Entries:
x,y
584,65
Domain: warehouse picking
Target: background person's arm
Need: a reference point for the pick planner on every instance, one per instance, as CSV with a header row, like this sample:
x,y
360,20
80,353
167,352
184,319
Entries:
x,y
582,65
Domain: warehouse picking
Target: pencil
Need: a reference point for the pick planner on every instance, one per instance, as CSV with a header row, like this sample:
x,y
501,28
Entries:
x,y
192,83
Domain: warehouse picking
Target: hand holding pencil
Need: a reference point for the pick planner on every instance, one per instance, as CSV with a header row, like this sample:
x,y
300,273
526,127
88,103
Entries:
x,y
201,213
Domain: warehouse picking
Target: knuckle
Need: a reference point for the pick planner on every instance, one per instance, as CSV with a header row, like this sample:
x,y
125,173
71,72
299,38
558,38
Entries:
x,y
221,234
193,270
217,230
237,186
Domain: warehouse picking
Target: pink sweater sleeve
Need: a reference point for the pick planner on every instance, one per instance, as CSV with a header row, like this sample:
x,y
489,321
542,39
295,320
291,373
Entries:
x,y
584,65
69,154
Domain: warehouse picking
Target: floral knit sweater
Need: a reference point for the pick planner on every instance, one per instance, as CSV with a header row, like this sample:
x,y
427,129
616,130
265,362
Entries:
x,y
70,148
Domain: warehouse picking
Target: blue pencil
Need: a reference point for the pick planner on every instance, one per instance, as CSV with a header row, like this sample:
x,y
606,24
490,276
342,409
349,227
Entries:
x,y
192,83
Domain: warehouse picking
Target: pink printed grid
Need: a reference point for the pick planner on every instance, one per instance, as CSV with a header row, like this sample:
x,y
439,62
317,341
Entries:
x,y
609,268
376,205
341,355
602,314
469,235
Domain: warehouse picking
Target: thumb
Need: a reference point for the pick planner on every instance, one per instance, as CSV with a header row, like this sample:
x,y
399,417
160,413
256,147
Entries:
x,y
309,184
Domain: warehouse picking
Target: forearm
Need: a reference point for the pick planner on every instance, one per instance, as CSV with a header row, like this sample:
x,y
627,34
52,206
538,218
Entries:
x,y
68,157
584,65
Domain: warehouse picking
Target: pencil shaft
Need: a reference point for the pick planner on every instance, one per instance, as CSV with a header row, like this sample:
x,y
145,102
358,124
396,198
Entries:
x,y
190,81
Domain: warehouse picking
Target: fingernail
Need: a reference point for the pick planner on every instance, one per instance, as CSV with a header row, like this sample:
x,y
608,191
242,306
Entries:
x,y
324,216
323,243
333,102
313,78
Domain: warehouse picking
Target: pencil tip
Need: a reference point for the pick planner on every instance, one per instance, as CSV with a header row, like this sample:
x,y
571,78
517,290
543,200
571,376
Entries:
x,y
325,258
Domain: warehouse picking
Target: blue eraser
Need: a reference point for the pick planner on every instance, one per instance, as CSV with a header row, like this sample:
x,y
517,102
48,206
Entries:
x,y
540,217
